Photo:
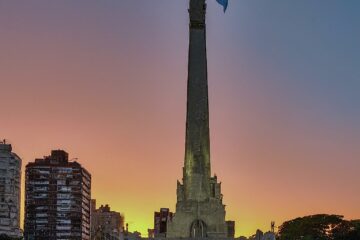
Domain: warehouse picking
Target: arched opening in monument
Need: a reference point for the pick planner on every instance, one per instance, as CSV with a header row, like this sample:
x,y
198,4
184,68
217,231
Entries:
x,y
198,229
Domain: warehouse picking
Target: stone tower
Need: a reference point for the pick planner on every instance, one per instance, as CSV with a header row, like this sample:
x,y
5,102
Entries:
x,y
200,212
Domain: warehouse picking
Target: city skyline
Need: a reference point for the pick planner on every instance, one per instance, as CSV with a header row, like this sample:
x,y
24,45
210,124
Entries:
x,y
107,83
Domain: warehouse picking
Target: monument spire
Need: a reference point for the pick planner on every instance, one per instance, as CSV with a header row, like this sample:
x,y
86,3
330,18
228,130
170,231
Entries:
x,y
200,212
197,144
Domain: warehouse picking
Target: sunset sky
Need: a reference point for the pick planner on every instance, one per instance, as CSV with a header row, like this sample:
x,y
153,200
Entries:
x,y
106,81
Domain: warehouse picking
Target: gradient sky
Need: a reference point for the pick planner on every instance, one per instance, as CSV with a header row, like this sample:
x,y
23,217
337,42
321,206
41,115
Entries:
x,y
106,81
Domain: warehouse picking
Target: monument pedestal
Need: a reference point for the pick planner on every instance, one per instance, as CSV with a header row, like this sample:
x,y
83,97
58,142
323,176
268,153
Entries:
x,y
199,218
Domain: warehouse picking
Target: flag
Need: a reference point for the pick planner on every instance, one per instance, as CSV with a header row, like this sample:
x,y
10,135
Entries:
x,y
224,3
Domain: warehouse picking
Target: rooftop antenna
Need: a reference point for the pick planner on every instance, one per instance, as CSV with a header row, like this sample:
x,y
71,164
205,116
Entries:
x,y
273,226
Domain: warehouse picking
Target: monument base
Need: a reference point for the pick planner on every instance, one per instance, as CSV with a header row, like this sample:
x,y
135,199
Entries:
x,y
199,219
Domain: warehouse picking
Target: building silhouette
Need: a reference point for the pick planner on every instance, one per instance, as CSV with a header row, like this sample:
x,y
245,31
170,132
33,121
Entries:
x,y
161,220
10,180
127,235
200,212
230,229
57,199
105,224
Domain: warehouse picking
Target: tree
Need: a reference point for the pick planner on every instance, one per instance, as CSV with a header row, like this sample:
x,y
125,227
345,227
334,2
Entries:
x,y
347,230
320,227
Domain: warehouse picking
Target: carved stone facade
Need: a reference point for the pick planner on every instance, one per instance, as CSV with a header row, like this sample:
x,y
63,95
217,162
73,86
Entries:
x,y
199,218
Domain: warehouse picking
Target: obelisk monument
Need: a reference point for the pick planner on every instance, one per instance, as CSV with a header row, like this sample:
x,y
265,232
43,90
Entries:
x,y
200,212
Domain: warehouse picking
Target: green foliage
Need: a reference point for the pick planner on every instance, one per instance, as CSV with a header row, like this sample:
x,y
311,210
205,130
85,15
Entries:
x,y
320,227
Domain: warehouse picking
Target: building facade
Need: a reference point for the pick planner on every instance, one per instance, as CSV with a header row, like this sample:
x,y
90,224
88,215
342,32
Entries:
x,y
57,199
105,224
10,180
230,229
161,220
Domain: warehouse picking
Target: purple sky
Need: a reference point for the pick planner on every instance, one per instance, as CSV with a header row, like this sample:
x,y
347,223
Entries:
x,y
106,81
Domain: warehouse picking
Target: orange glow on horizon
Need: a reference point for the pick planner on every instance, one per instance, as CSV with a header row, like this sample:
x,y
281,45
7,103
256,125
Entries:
x,y
106,82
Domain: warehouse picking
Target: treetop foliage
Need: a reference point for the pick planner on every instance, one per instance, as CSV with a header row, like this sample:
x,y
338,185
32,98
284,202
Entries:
x,y
320,227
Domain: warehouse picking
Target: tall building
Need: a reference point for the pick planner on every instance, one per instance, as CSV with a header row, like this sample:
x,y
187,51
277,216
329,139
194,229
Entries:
x,y
151,233
105,224
10,178
230,229
200,211
160,222
57,199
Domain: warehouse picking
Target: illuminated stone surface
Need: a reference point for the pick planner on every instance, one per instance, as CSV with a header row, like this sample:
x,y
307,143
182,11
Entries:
x,y
199,209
